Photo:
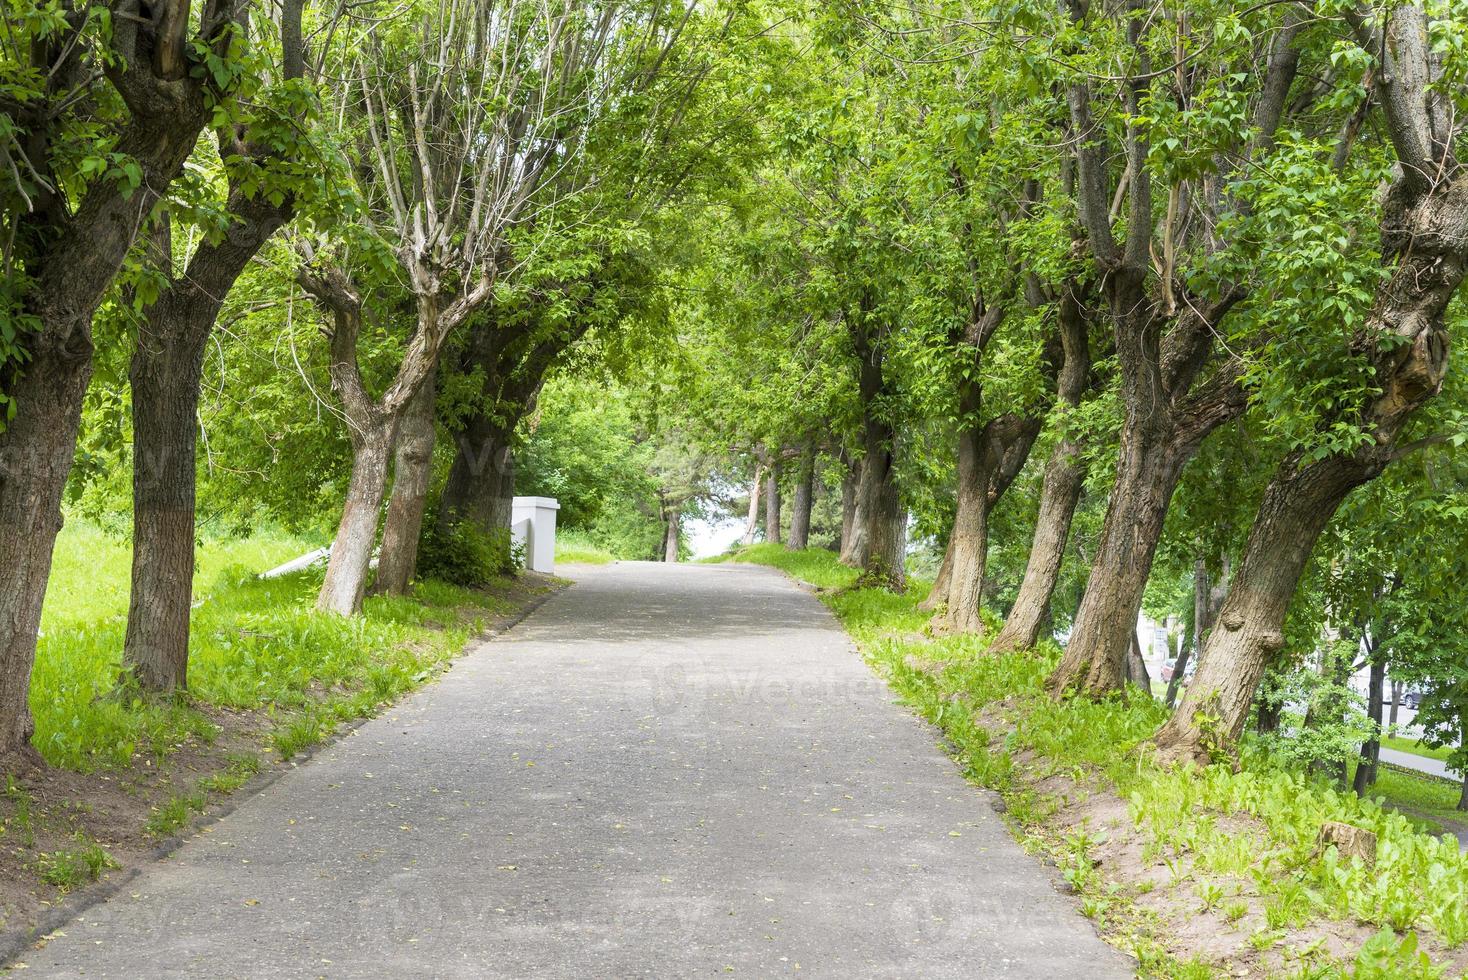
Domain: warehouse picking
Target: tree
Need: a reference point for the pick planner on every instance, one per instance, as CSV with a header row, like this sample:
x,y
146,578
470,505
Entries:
x,y
1174,392
267,165
102,116
1401,347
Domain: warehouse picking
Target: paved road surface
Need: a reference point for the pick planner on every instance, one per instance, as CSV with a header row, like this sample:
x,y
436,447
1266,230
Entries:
x,y
1422,763
666,771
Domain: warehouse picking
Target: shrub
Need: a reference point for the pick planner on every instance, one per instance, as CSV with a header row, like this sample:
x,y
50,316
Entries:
x,y
464,554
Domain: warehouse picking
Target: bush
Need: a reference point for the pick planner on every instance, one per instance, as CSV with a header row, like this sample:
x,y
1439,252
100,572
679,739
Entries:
x,y
467,555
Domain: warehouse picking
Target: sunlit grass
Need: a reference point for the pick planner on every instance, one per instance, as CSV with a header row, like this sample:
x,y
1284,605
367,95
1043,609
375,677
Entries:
x,y
1415,748
576,548
256,644
1419,882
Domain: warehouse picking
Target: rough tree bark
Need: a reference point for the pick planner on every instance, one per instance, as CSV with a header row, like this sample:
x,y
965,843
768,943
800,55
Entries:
x,y
877,542
957,590
164,377
989,463
372,423
480,487
412,472
72,258
804,500
1405,343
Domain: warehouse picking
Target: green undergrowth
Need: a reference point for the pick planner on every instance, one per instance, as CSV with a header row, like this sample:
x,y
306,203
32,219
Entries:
x,y
1239,844
576,548
257,646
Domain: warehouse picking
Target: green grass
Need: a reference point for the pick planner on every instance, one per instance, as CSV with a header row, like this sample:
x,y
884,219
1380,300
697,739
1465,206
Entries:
x,y
576,548
1432,798
1188,818
73,867
1413,746
817,566
256,644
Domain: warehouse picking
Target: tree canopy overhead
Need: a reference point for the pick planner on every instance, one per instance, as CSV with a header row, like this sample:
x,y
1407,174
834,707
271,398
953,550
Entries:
x,y
1075,310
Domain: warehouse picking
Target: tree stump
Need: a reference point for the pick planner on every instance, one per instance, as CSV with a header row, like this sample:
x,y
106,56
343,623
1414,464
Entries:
x,y
1349,842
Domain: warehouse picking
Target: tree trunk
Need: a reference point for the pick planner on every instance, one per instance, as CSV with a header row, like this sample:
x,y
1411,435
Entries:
x,y
1396,700
166,369
1147,472
165,375
1207,599
751,523
1268,718
1060,493
1136,667
848,508
989,461
1297,504
878,524
968,547
36,452
670,535
772,500
71,258
351,551
412,472
1371,749
800,507
480,487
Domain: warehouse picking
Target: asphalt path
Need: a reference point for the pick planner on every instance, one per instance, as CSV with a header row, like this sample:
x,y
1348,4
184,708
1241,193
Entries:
x,y
665,771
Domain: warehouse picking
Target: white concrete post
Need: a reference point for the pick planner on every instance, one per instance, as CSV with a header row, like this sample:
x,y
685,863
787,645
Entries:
x,y
533,524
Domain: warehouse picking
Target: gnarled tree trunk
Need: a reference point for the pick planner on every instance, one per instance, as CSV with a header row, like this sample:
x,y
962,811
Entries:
x,y
1297,505
412,472
165,375
480,487
35,457
1404,341
71,258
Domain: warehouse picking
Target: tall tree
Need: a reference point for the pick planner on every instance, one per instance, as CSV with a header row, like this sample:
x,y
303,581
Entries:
x,y
267,165
1402,346
1165,323
131,91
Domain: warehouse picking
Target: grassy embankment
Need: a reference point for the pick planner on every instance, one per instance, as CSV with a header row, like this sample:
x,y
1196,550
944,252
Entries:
x,y
268,678
577,548
1198,872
